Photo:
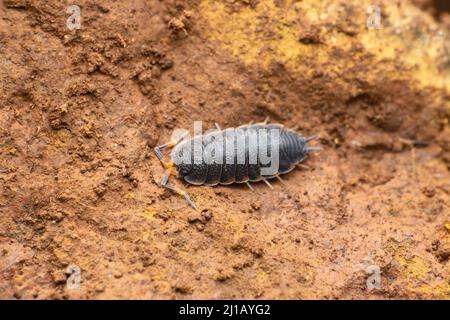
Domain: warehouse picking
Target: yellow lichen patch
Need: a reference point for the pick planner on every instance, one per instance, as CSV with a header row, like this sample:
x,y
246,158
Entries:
x,y
447,227
150,213
424,52
416,271
268,32
11,151
235,225
161,280
439,290
201,196
271,31
415,268
261,280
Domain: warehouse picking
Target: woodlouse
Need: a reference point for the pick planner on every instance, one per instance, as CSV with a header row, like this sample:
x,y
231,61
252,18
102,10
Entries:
x,y
236,165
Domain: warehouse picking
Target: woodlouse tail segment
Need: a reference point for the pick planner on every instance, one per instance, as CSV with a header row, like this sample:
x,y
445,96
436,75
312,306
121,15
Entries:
x,y
308,149
312,149
310,138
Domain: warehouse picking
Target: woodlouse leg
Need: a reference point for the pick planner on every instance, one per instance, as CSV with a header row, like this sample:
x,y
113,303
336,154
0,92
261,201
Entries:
x,y
165,184
218,126
268,183
303,166
250,186
281,180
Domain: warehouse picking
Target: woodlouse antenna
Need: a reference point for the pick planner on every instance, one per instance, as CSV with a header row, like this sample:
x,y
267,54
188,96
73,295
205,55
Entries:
x,y
171,170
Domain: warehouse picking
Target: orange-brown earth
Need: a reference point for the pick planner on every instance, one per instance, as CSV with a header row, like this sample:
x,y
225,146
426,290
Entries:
x,y
82,110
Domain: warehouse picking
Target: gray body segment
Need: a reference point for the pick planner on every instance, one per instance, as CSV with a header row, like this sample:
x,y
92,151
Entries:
x,y
235,158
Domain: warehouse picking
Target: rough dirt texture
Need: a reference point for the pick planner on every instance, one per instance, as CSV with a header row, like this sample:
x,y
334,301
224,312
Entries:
x,y
81,110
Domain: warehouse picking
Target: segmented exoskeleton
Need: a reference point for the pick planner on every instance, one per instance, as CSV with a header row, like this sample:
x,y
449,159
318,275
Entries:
x,y
235,155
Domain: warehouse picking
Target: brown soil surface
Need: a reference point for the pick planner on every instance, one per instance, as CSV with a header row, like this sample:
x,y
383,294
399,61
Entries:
x,y
82,110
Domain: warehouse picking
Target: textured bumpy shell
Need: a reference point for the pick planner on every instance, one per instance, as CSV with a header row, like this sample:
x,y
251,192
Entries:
x,y
291,148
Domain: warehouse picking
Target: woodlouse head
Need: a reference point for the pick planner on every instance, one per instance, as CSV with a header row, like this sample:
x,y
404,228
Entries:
x,y
183,169
182,158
